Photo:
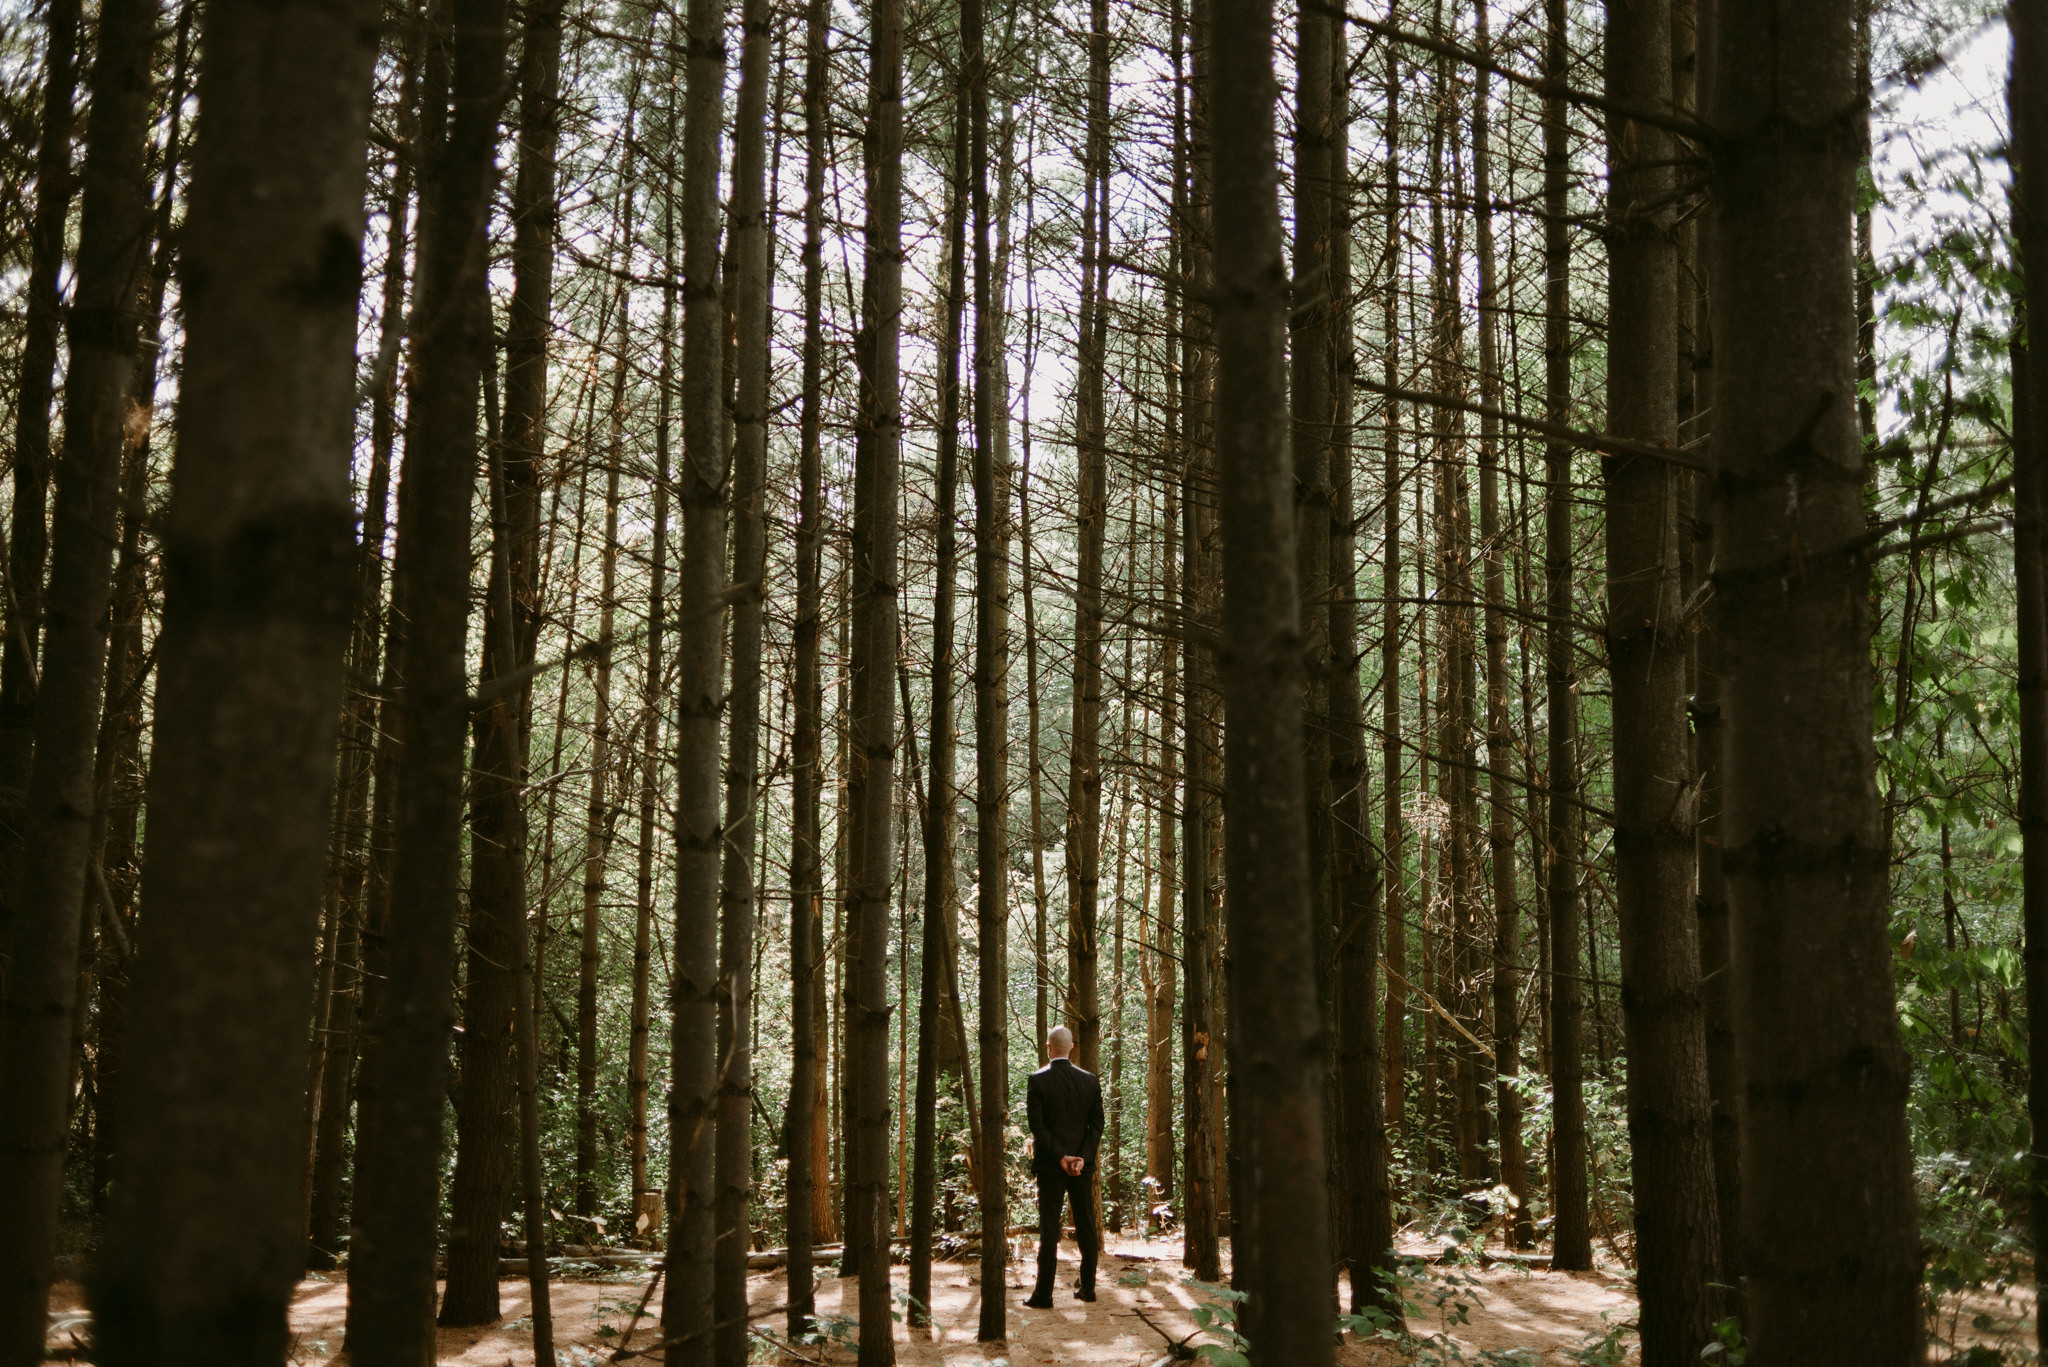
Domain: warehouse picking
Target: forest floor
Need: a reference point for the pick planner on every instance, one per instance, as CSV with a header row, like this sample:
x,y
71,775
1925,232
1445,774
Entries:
x,y
1146,1300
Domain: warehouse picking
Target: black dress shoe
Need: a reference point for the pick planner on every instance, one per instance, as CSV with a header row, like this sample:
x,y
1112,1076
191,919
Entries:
x,y
1085,1293
1038,1303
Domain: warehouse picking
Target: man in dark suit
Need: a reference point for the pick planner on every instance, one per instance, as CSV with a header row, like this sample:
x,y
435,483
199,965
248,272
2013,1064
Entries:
x,y
1065,1106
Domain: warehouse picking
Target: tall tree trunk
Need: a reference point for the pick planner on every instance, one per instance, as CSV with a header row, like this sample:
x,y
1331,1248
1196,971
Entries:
x,y
806,872
28,544
524,1041
361,743
1724,1083
1393,838
938,828
1311,352
56,825
1507,911
1282,1251
392,1251
1357,880
1456,714
119,768
1828,1224
1201,1050
497,890
1670,1119
598,812
1034,772
2028,99
991,682
1571,1238
1084,742
686,1308
204,1244
654,705
1160,961
872,747
749,246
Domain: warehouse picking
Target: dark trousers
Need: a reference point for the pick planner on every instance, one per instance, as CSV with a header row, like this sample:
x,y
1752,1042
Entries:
x,y
1054,1191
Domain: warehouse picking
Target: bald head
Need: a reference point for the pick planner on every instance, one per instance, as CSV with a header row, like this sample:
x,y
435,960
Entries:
x,y
1059,1043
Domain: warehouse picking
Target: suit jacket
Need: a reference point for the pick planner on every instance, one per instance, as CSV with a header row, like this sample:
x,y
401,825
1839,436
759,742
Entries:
x,y
1065,1106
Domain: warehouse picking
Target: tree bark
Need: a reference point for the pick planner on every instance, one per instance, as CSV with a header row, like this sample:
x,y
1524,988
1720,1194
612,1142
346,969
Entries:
x,y
1202,784
28,544
1311,354
56,825
872,745
392,1251
1724,1083
361,743
1571,1239
119,770
497,890
749,245
204,1244
1277,1060
1084,742
806,874
1357,881
991,689
2028,99
653,702
1456,710
1507,911
1830,1248
686,1309
1670,1117
1393,836
938,827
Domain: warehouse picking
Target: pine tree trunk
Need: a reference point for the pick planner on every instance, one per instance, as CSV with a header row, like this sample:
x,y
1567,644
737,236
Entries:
x,y
1507,911
1456,715
806,875
119,771
598,813
360,743
392,1250
872,744
938,829
749,247
654,705
686,1307
1282,1250
204,1243
1201,1050
28,537
1160,959
1084,754
497,889
1311,355
991,678
1357,884
1571,1238
1393,837
1033,771
42,980
2029,115
1828,1224
1724,1083
1670,1120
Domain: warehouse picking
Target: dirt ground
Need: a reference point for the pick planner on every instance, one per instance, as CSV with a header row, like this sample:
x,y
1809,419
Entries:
x,y
1139,1281
1145,1302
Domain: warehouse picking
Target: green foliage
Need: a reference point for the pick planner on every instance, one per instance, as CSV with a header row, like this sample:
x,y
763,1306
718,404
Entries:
x,y
1450,1294
1729,1346
1217,1317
